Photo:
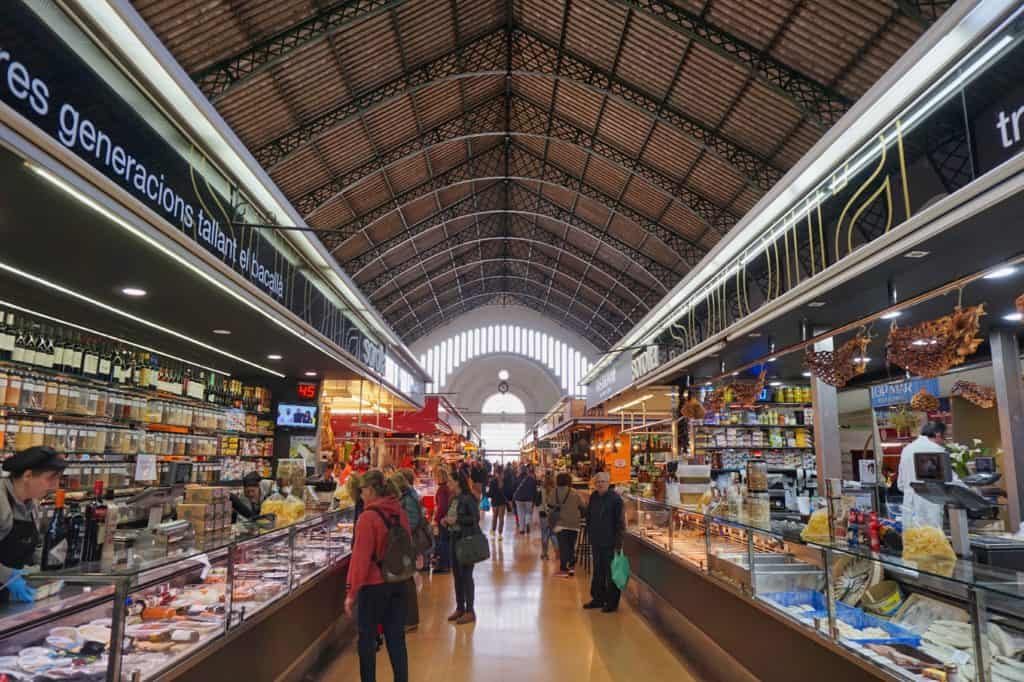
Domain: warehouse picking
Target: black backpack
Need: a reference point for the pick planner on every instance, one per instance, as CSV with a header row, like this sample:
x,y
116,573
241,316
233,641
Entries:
x,y
399,561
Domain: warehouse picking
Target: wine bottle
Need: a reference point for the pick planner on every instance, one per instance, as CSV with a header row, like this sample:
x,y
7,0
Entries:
x,y
106,363
90,359
58,350
55,542
7,334
76,535
30,345
76,355
18,352
95,523
117,367
46,347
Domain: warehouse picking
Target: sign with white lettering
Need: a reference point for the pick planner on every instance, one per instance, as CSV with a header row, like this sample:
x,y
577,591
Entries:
x,y
995,108
45,80
647,361
611,381
900,393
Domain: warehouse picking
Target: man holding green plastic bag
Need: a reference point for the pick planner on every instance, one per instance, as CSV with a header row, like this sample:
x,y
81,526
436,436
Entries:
x,y
606,524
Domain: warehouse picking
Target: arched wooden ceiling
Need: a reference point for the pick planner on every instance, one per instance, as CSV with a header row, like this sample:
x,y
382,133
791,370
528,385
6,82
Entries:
x,y
574,156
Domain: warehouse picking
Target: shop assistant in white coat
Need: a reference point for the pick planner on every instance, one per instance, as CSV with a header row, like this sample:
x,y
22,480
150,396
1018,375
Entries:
x,y
918,511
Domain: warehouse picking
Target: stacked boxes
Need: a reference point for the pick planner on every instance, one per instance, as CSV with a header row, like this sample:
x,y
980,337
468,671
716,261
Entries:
x,y
207,508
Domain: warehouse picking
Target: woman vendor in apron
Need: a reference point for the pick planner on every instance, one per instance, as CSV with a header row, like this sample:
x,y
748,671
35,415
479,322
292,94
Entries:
x,y
33,474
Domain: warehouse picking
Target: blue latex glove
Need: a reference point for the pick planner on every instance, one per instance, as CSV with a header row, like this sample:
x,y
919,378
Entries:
x,y
19,589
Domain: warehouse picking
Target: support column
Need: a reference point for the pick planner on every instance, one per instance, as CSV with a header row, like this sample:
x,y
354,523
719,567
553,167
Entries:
x,y
1010,403
826,426
675,423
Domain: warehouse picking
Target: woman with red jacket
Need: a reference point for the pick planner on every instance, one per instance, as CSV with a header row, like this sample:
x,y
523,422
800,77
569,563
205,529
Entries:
x,y
378,603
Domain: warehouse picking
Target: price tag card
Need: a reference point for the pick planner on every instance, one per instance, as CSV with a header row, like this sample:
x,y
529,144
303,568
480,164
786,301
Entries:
x,y
145,468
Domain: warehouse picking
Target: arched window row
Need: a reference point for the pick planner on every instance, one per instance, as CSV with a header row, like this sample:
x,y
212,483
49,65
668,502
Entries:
x,y
564,361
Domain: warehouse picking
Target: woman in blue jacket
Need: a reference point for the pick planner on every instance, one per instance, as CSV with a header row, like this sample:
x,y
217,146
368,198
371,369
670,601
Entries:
x,y
524,497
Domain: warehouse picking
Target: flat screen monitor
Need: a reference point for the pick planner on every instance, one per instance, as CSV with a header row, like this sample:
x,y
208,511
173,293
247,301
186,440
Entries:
x,y
295,416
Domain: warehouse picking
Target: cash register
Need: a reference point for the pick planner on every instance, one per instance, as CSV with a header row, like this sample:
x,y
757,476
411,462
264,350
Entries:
x,y
964,503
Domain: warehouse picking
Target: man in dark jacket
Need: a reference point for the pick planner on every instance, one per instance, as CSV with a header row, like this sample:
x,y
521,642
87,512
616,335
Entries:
x,y
525,496
508,486
606,523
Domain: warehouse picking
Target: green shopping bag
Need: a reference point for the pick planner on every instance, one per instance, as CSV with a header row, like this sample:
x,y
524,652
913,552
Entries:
x,y
620,570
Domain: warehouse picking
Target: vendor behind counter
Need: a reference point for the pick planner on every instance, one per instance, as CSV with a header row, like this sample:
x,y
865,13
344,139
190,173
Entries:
x,y
34,473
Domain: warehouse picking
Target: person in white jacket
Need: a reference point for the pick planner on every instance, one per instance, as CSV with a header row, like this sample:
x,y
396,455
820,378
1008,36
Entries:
x,y
918,511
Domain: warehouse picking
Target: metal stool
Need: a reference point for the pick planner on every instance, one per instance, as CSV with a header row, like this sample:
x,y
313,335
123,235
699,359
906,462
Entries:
x,y
583,552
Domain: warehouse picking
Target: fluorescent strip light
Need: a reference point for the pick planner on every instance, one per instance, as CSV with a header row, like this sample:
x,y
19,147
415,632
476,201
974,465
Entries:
x,y
87,330
631,403
857,137
133,318
1000,273
120,222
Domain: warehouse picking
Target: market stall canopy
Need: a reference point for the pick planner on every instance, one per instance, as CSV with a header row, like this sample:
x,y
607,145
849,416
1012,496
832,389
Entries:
x,y
550,154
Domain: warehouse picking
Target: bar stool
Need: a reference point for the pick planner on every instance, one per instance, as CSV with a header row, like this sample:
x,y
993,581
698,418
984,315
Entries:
x,y
583,552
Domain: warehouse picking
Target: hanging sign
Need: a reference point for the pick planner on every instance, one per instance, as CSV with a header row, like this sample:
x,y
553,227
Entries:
x,y
900,393
611,381
647,361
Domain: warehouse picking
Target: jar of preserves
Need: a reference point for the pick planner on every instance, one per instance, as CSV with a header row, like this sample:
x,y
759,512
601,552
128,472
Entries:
x,y
12,396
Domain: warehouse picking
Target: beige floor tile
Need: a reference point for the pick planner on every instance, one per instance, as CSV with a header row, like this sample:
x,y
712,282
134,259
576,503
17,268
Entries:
x,y
530,628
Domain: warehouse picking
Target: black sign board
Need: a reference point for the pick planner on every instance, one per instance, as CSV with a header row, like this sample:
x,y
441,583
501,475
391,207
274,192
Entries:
x,y
47,82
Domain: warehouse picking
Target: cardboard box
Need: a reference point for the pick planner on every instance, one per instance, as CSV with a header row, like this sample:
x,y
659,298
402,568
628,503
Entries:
x,y
195,512
205,494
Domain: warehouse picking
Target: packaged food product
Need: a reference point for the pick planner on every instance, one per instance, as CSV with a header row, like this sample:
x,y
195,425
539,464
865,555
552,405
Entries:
x,y
926,542
817,527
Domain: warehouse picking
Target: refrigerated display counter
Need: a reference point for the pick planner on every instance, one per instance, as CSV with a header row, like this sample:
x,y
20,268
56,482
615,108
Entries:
x,y
734,596
278,592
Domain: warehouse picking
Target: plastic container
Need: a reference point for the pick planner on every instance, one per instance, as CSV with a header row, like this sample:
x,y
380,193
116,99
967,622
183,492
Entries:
x,y
12,396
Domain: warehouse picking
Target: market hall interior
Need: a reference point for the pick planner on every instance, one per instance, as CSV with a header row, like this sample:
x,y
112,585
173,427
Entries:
x,y
723,299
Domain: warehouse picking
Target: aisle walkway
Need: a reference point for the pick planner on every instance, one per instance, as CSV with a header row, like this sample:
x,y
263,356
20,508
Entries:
x,y
530,628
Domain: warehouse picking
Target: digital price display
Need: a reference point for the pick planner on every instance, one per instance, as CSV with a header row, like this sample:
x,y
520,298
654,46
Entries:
x,y
307,391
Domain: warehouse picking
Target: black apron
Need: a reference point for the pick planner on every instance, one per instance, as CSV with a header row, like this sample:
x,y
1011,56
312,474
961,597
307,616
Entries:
x,y
18,549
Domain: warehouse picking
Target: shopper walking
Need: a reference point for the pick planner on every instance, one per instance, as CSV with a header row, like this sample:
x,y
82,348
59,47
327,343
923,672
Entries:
x,y
442,500
419,533
509,483
564,513
465,523
478,477
606,524
375,602
410,503
496,494
547,531
525,495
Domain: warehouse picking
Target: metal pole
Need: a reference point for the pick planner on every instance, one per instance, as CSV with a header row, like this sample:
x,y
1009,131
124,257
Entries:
x,y
1010,403
675,423
979,618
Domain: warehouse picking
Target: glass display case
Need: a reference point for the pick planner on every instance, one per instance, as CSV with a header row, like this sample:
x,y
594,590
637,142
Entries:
x,y
168,608
910,620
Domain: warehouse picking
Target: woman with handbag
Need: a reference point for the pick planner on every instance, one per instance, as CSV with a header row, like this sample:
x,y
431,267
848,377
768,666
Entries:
x,y
565,510
547,530
496,496
465,534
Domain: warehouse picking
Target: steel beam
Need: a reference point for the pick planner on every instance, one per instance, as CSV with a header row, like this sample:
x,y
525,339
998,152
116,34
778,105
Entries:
x,y
821,103
225,74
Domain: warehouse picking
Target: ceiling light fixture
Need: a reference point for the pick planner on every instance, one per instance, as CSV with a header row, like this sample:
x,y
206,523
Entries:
x,y
274,356
310,374
87,330
134,318
631,403
918,342
1013,317
816,304
806,374
863,359
772,359
222,332
774,383
891,315
917,254
1000,273
134,292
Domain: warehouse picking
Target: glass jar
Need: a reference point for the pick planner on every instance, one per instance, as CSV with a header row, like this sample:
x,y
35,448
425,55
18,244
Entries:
x,y
38,434
101,403
3,386
50,437
22,435
62,398
12,396
50,398
757,476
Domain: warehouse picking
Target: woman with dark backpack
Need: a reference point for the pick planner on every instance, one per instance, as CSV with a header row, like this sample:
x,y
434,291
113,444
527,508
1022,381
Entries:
x,y
414,512
465,524
374,592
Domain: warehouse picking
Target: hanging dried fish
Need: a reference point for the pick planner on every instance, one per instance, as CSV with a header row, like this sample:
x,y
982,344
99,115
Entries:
x,y
836,368
982,396
693,410
931,348
746,394
923,401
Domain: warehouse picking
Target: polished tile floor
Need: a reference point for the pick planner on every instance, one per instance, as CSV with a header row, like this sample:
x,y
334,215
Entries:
x,y
530,628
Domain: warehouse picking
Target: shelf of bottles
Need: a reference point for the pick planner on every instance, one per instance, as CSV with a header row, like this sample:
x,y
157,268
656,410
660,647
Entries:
x,y
92,399
777,429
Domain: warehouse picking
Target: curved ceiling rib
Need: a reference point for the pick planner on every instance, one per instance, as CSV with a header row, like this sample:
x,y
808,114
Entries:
x,y
495,232
532,56
519,288
532,206
530,120
575,156
540,262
